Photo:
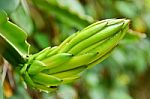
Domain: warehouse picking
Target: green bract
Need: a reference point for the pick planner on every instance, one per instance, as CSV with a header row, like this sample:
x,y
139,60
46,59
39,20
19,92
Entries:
x,y
82,50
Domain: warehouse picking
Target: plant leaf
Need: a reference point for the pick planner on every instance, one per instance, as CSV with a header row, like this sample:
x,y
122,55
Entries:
x,y
63,14
15,47
22,17
9,5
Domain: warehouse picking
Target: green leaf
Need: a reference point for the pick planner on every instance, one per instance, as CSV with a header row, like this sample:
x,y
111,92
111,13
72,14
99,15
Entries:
x,y
127,9
63,14
15,47
42,40
9,5
74,6
22,17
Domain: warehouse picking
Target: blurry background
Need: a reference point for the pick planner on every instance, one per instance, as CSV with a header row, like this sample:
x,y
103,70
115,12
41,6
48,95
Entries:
x,y
124,75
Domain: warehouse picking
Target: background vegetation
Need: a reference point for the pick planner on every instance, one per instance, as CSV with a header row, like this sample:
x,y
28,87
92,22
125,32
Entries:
x,y
124,75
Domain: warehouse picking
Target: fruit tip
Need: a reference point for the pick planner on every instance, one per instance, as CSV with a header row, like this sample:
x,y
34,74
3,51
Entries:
x,y
126,23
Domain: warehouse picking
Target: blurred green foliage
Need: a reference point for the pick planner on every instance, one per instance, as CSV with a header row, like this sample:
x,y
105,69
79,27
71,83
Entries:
x,y
49,22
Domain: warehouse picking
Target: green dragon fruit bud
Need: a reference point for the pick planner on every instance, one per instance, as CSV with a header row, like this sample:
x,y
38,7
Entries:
x,y
64,63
